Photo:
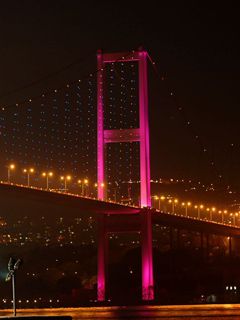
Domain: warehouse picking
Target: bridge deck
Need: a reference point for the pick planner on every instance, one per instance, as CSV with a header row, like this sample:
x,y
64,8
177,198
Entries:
x,y
20,201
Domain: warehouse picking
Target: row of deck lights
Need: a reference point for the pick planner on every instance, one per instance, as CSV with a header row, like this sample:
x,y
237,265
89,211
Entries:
x,y
49,174
175,202
171,201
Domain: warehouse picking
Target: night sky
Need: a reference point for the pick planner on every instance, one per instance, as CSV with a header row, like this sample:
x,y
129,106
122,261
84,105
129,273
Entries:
x,y
194,94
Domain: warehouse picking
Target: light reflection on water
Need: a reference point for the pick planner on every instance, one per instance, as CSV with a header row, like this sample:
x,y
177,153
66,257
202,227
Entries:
x,y
193,312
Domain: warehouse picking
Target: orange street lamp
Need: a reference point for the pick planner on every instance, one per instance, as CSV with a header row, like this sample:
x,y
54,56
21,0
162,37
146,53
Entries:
x,y
213,209
221,213
80,183
10,168
224,212
173,202
186,205
160,198
28,172
157,199
234,215
65,179
47,175
200,207
95,189
85,186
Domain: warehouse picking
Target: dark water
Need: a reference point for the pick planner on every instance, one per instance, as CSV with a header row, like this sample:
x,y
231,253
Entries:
x,y
193,312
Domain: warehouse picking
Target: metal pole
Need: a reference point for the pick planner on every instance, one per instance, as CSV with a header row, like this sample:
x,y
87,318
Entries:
x,y
28,183
8,175
65,184
47,182
13,295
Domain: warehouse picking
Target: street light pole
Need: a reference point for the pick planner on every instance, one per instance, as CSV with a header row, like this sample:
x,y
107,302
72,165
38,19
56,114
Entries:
x,y
65,178
198,210
28,172
14,294
173,202
13,265
65,183
234,218
47,174
116,190
9,168
85,183
211,213
201,206
236,215
224,212
187,204
221,212
159,201
80,184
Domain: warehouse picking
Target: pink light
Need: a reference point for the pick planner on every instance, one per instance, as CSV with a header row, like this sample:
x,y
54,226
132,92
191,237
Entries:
x,y
100,131
110,136
102,254
147,263
101,289
144,132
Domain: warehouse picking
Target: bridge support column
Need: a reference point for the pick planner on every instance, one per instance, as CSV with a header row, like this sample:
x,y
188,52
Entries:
x,y
147,260
102,258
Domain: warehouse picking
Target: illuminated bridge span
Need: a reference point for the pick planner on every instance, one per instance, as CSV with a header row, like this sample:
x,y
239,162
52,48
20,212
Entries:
x,y
20,201
113,129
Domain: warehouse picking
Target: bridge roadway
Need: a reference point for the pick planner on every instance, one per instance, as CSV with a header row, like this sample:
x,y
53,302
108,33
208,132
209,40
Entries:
x,y
19,201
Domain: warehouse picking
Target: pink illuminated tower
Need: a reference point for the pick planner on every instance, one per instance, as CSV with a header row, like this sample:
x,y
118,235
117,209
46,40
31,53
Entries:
x,y
141,135
127,135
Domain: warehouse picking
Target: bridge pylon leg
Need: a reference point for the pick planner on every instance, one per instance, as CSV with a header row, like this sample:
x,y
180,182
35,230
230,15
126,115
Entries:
x,y
102,259
147,260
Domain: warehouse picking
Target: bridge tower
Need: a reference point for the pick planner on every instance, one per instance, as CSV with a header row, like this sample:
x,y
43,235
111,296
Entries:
x,y
141,135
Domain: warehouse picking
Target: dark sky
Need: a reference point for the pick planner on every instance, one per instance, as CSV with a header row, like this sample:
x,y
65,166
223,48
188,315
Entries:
x,y
196,48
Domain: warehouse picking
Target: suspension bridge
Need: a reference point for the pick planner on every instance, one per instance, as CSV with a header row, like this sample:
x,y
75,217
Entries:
x,y
116,146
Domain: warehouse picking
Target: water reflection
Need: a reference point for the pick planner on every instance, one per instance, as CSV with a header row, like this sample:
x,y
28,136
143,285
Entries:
x,y
193,312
